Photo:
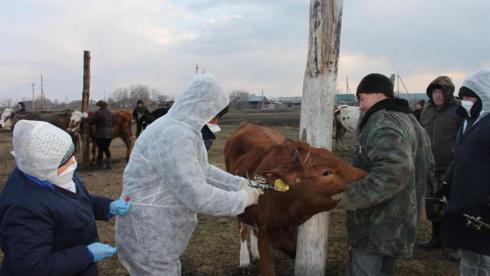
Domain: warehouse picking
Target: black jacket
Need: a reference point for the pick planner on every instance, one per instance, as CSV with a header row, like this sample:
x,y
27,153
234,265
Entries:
x,y
45,229
469,178
138,112
102,119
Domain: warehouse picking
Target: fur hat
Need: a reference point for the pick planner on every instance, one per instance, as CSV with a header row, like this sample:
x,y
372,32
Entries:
x,y
376,83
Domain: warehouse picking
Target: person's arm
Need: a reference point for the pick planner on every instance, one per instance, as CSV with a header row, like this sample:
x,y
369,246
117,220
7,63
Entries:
x,y
93,119
100,204
28,238
135,114
392,161
178,167
222,179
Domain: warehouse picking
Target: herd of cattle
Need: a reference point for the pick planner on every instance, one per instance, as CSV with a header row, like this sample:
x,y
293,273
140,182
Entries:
x,y
308,176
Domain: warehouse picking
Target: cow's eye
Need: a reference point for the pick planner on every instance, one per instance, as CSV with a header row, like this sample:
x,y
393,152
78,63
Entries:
x,y
326,172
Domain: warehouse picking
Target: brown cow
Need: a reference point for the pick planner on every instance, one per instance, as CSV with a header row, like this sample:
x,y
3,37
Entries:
x,y
61,119
121,122
312,175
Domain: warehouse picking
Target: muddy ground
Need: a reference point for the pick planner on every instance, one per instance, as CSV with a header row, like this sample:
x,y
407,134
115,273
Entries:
x,y
214,247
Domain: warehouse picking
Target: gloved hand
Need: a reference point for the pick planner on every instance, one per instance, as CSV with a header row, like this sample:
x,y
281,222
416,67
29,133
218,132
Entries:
x,y
251,194
120,207
101,251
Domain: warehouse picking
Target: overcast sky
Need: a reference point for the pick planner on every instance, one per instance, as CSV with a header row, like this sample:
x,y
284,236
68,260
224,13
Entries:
x,y
251,45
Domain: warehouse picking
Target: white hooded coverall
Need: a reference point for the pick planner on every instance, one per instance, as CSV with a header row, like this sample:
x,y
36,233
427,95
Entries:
x,y
169,180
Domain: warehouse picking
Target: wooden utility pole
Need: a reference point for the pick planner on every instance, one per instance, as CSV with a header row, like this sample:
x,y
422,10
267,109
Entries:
x,y
316,122
42,94
33,99
85,101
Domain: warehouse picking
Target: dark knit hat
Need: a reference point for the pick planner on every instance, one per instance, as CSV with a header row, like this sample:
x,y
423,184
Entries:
x,y
376,83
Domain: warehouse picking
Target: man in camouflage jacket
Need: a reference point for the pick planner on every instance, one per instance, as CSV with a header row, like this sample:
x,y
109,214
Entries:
x,y
441,121
383,209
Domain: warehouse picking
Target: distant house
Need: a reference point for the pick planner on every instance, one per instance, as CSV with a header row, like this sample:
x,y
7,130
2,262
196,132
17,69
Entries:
x,y
348,99
276,106
291,102
250,101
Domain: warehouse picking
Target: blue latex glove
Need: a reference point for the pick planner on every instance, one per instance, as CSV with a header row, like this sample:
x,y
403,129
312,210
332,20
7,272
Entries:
x,y
119,207
101,251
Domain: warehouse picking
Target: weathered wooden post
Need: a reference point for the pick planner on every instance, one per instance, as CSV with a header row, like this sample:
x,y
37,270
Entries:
x,y
84,108
317,120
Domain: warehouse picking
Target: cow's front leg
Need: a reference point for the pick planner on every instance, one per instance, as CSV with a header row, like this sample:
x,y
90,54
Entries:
x,y
128,142
244,255
266,256
253,244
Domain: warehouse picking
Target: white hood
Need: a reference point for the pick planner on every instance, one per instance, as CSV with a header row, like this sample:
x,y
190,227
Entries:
x,y
39,148
201,101
479,82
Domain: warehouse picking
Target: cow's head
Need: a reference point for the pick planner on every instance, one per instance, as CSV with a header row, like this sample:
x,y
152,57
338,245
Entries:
x,y
313,176
7,115
347,117
75,122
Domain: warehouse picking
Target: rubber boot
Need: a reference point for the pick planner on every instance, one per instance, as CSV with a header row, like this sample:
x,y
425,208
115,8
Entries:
x,y
109,163
435,241
100,166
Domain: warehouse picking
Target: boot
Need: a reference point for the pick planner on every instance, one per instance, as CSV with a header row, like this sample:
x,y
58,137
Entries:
x,y
435,241
100,166
109,163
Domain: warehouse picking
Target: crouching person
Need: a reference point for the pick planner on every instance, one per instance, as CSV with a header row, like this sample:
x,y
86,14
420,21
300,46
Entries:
x,y
383,208
47,217
169,180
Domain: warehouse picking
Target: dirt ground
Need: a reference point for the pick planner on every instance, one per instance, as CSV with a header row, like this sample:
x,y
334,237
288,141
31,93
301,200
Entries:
x,y
214,247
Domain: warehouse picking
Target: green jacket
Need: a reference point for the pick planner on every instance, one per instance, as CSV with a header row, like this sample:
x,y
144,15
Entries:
x,y
383,209
441,124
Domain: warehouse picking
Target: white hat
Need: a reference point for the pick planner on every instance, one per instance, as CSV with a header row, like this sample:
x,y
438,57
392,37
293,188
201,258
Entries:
x,y
40,148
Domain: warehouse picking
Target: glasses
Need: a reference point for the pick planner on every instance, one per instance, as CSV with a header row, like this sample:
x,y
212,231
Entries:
x,y
68,155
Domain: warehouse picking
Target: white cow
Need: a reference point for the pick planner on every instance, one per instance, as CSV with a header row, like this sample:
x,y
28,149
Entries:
x,y
346,118
6,118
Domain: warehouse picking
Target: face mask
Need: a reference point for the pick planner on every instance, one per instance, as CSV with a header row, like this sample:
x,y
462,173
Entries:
x,y
467,105
65,179
214,128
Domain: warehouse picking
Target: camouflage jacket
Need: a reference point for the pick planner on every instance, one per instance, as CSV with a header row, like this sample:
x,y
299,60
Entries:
x,y
384,208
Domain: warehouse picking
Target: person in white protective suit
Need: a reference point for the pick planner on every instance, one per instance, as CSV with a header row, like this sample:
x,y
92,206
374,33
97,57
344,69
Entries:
x,y
169,180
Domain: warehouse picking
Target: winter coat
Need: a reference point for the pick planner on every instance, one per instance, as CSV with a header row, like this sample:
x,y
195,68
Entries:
x,y
138,112
441,124
102,119
384,207
169,180
45,229
469,178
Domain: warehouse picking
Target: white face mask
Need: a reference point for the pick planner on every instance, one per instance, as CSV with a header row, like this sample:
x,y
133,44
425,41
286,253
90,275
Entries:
x,y
467,105
65,179
214,128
